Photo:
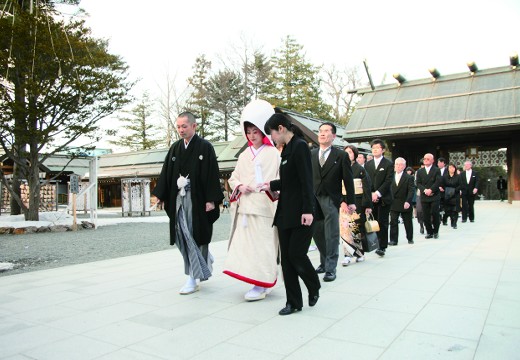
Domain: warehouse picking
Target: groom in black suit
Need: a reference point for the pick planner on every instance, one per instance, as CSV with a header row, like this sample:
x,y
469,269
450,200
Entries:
x,y
330,169
402,190
428,181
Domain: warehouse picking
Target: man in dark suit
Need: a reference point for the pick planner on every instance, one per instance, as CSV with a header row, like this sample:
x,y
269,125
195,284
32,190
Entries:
x,y
402,191
441,164
502,187
381,172
428,181
330,169
470,184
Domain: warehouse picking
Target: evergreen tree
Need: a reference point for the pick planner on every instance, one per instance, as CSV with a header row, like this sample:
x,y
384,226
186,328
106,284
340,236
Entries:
x,y
138,129
198,104
10,9
224,98
260,76
296,82
56,83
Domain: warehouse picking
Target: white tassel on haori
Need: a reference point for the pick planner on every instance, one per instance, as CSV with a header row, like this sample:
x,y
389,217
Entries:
x,y
181,183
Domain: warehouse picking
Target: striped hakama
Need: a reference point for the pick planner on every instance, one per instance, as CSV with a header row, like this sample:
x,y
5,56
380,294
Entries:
x,y
197,259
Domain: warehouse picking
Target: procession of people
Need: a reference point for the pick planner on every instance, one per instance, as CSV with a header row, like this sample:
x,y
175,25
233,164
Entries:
x,y
282,195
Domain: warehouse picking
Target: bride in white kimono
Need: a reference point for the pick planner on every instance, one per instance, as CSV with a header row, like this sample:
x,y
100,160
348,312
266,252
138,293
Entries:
x,y
253,245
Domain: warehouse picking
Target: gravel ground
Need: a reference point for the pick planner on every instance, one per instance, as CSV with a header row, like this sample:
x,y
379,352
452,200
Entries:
x,y
39,251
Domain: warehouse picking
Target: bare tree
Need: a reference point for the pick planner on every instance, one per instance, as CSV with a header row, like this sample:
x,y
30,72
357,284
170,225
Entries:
x,y
249,60
171,102
338,85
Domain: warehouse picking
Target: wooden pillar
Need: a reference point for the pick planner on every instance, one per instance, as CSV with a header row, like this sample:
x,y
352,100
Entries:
x,y
513,169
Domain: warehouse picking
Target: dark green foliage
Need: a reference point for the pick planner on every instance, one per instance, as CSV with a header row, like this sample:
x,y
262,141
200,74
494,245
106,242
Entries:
x,y
199,102
259,77
295,84
489,188
56,83
223,93
140,132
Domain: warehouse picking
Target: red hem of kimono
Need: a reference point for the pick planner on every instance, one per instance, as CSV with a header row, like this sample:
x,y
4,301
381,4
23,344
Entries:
x,y
248,280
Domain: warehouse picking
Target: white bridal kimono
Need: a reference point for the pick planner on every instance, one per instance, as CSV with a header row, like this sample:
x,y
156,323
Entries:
x,y
253,244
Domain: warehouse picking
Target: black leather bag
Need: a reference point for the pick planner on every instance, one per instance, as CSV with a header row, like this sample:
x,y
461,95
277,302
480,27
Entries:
x,y
449,192
370,242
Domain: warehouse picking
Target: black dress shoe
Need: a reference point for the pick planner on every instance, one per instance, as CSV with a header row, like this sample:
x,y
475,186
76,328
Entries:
x,y
329,277
463,220
392,243
288,310
429,236
454,226
410,241
436,235
472,221
380,252
320,270
313,299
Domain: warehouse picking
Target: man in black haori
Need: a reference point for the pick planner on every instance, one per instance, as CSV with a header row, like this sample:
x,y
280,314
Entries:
x,y
189,186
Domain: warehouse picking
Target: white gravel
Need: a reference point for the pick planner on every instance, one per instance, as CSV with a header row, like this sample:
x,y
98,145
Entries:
x,y
115,236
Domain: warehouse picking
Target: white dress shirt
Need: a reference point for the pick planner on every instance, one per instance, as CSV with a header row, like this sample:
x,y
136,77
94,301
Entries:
x,y
468,175
325,153
377,161
398,177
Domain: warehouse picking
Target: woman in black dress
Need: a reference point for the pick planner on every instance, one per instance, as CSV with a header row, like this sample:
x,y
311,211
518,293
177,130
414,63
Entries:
x,y
295,212
452,186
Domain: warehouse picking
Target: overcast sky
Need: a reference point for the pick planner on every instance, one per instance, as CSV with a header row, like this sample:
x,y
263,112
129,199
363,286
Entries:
x,y
156,37
407,36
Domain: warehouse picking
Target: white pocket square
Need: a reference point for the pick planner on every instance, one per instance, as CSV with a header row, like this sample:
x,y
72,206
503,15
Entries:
x,y
381,169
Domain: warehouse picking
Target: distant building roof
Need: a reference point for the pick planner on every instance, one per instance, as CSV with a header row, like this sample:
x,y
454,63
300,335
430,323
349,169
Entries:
x,y
144,163
460,103
310,127
227,157
148,163
83,151
63,163
54,165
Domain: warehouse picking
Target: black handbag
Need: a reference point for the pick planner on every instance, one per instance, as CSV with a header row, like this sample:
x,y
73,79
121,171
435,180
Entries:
x,y
370,242
449,192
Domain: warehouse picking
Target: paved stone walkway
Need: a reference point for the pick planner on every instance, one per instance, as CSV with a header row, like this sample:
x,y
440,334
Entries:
x,y
457,297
